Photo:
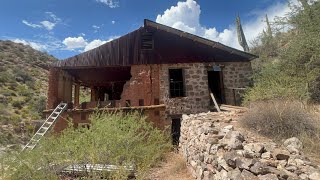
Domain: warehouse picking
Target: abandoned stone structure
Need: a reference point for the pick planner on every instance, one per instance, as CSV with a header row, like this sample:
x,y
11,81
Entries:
x,y
159,70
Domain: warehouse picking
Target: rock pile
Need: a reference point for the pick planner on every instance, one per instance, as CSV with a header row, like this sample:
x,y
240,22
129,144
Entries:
x,y
215,150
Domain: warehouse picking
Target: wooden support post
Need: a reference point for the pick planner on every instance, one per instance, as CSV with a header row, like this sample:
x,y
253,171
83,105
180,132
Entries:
x,y
215,102
76,95
93,93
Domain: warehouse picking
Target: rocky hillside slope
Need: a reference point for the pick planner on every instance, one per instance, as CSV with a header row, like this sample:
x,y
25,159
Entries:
x,y
23,86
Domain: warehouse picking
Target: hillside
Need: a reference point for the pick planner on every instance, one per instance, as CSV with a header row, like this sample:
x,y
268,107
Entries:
x,y
23,87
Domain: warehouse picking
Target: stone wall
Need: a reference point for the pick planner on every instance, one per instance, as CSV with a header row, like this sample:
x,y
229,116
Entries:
x,y
196,89
213,149
197,99
235,75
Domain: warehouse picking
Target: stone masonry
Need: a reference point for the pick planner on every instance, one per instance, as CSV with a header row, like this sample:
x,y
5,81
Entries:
x,y
197,99
196,89
214,149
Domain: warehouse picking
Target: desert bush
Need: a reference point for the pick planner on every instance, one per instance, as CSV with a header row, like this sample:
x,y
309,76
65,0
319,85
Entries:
x,y
280,120
118,139
23,90
18,103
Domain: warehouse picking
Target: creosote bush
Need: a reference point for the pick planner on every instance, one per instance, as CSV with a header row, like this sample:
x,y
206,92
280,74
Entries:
x,y
116,139
280,120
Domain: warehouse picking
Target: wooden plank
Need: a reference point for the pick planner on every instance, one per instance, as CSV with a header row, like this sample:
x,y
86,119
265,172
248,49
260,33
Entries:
x,y
215,102
112,109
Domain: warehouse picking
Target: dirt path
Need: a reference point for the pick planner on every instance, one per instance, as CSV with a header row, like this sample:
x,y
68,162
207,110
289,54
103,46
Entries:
x,y
173,168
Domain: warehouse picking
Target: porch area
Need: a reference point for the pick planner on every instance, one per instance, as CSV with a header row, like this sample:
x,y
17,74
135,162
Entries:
x,y
110,89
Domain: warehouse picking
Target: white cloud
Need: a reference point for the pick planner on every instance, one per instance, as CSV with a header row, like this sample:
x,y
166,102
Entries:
x,y
34,45
93,44
110,3
113,22
82,44
49,25
186,16
72,43
31,24
95,27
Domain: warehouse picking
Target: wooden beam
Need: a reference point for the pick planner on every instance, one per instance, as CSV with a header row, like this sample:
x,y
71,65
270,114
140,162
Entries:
x,y
76,95
112,109
215,102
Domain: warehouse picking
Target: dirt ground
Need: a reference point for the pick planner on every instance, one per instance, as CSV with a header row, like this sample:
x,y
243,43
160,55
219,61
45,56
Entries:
x,y
172,168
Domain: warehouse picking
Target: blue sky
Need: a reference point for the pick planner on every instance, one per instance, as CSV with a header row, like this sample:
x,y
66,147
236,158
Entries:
x,y
69,27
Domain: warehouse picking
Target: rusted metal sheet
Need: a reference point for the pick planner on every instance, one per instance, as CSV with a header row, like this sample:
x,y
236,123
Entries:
x,y
169,46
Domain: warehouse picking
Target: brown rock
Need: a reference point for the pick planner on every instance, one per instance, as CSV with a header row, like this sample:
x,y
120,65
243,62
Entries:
x,y
244,163
259,168
235,174
314,176
233,140
281,154
246,175
268,177
230,158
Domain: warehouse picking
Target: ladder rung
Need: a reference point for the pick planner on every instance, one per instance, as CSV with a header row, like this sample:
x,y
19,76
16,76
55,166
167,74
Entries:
x,y
45,128
31,147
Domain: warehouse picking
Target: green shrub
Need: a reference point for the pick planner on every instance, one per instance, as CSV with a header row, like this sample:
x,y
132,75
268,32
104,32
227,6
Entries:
x,y
18,103
272,82
23,90
39,104
116,139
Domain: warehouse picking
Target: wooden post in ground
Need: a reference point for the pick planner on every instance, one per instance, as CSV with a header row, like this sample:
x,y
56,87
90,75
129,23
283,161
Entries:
x,y
215,102
76,95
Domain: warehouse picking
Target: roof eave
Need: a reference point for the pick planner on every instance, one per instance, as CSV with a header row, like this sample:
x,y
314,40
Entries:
x,y
199,39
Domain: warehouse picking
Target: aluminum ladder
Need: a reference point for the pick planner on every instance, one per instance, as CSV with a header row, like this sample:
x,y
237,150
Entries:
x,y
45,126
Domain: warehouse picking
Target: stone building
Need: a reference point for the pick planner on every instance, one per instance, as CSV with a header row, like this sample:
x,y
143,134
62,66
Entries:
x,y
162,71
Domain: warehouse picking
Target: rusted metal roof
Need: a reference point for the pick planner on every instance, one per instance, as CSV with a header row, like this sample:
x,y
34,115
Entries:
x,y
168,46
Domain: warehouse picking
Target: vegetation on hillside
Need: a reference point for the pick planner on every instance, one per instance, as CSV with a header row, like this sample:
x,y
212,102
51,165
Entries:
x,y
289,61
114,139
287,77
23,87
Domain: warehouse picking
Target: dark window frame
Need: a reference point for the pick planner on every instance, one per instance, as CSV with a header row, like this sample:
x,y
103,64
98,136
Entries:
x,y
178,85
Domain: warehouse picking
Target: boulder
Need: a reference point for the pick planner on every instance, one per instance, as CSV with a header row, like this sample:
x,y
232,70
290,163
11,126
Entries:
x,y
235,174
266,155
281,154
254,147
294,142
259,168
314,176
247,175
244,163
233,140
268,177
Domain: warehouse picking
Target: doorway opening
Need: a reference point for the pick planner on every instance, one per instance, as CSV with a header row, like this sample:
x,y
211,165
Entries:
x,y
215,83
175,130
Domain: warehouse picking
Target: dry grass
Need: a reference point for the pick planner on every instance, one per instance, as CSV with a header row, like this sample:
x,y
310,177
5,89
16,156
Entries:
x,y
172,168
279,120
